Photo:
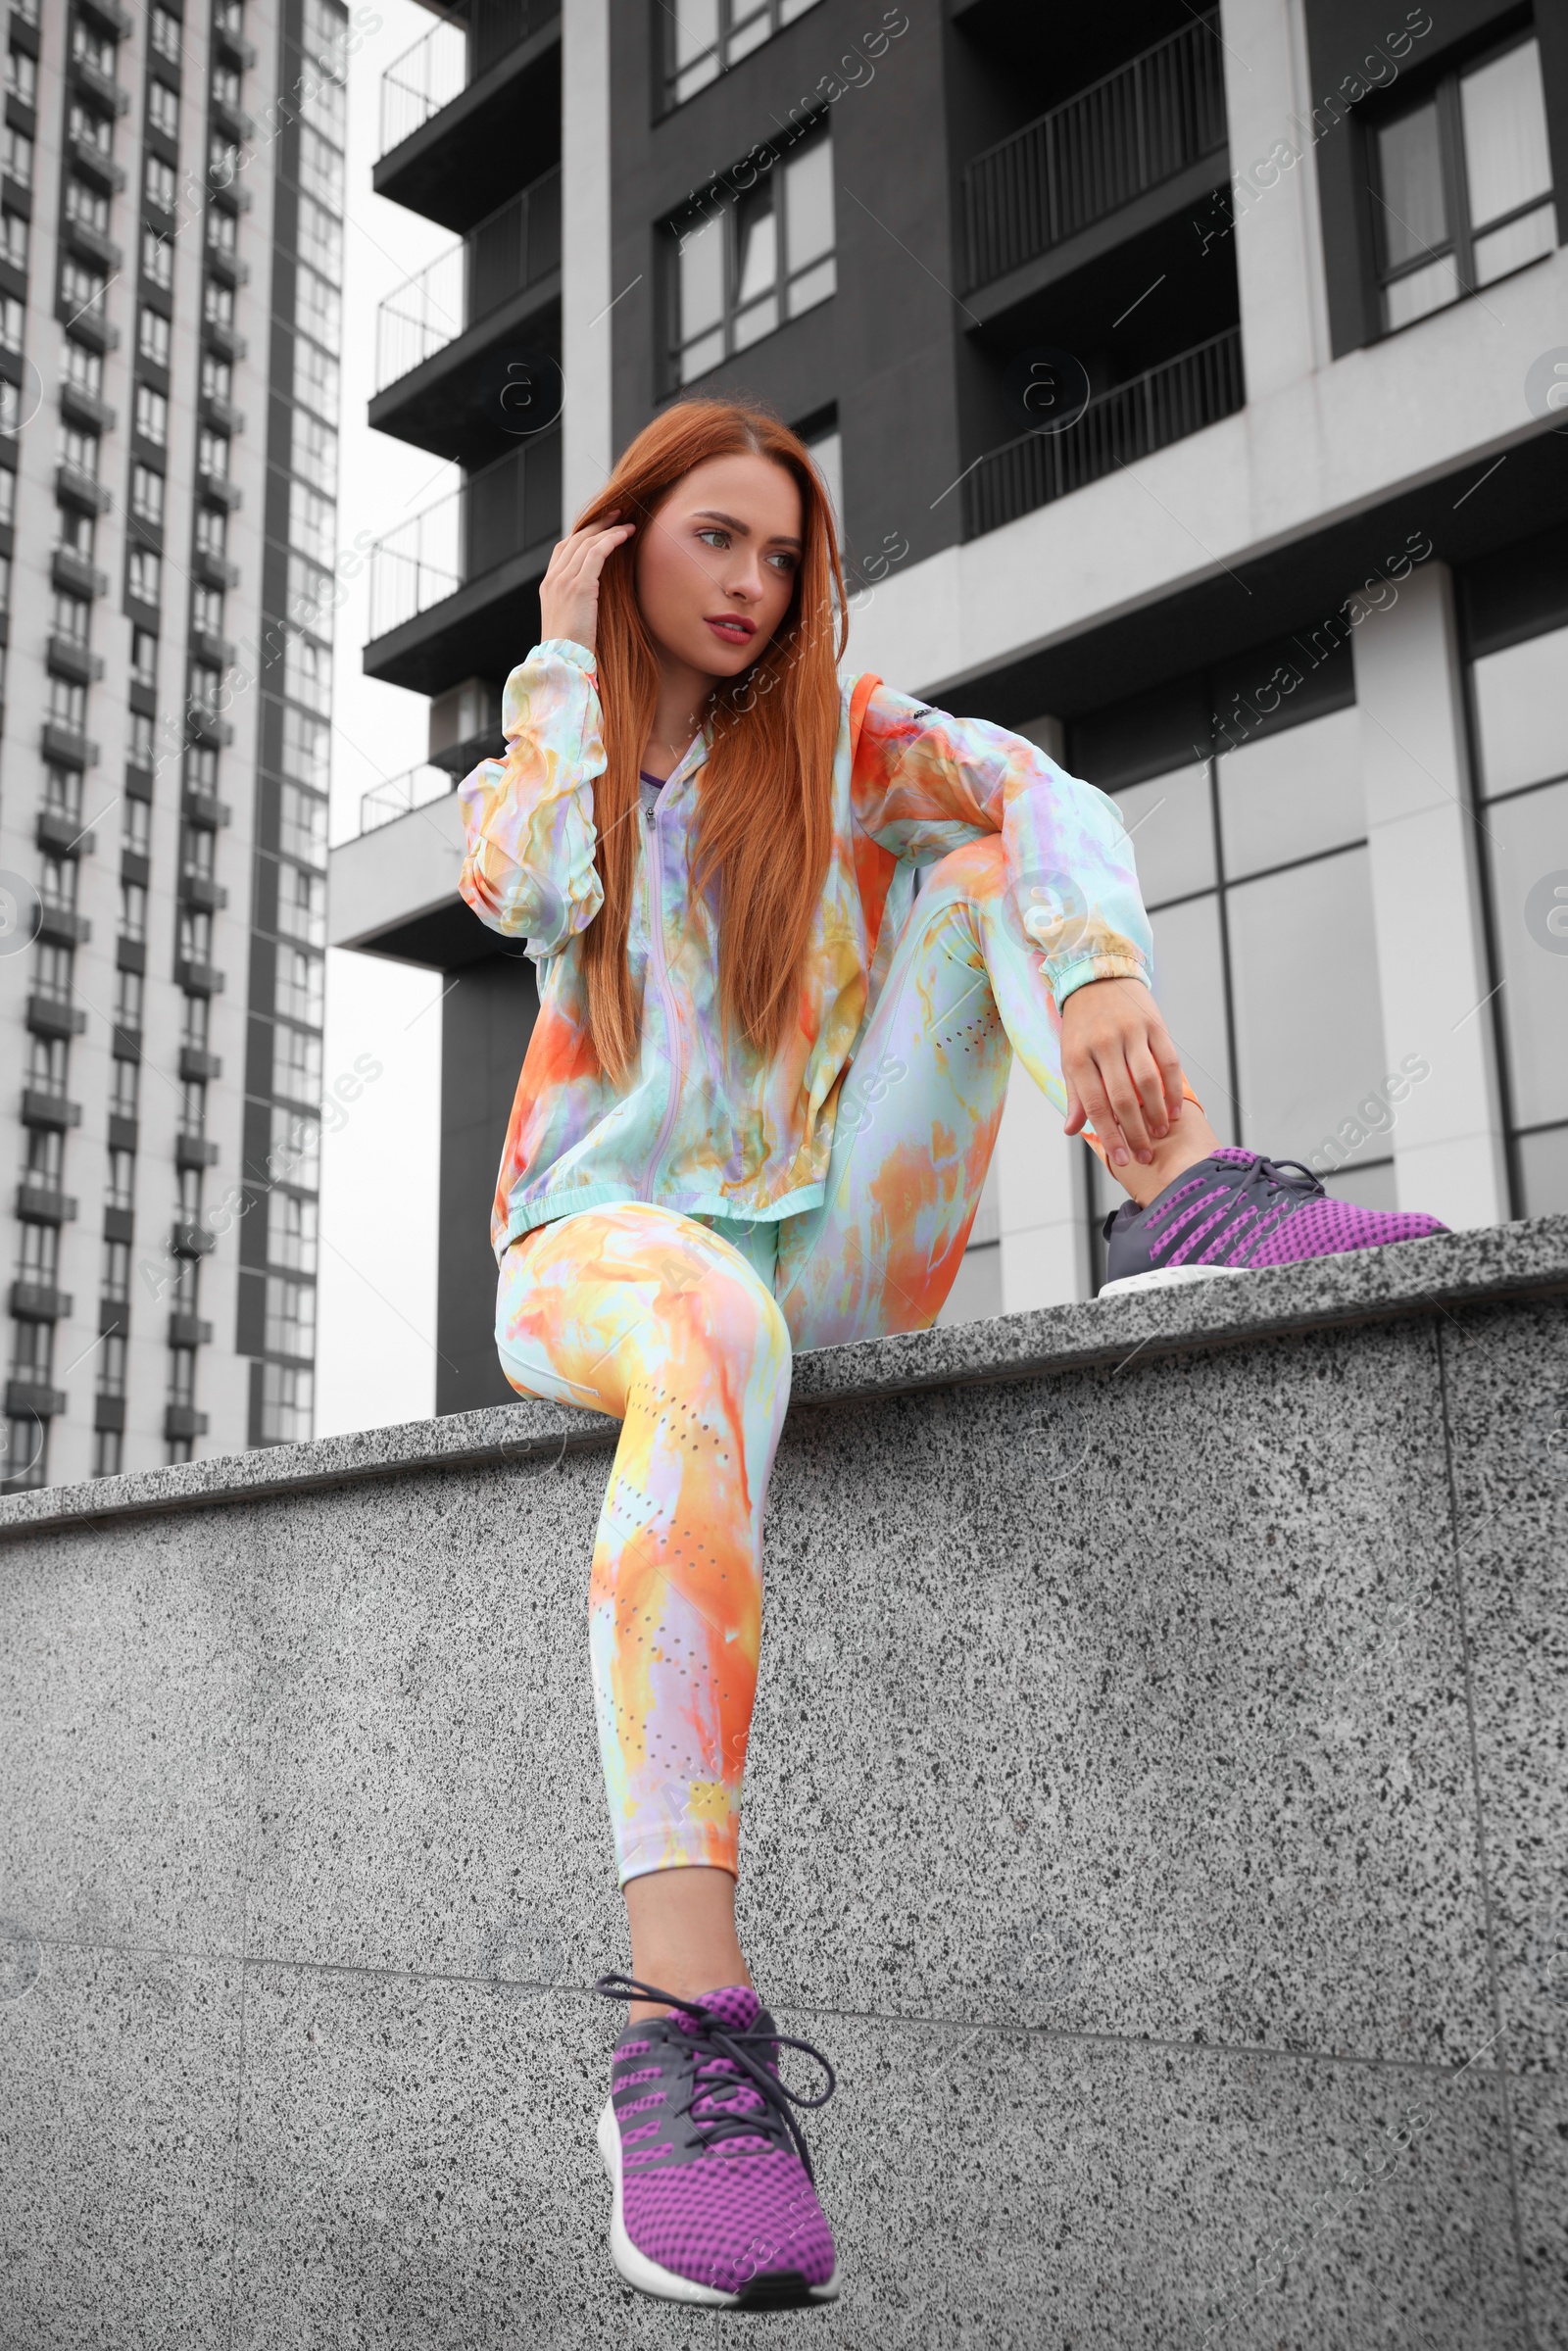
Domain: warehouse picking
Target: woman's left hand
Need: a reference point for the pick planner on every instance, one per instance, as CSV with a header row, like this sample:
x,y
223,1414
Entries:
x,y
1123,1074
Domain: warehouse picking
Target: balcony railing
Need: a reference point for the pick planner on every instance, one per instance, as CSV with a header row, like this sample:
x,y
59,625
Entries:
x,y
384,803
498,511
445,60
519,244
1128,423
1142,124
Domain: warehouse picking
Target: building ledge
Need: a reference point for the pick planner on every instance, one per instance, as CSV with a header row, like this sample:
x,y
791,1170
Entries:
x,y
484,629
432,172
1417,1280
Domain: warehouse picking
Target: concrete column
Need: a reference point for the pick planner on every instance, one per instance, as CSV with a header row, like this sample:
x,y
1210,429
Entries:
x,y
1268,106
587,445
1426,898
1041,1200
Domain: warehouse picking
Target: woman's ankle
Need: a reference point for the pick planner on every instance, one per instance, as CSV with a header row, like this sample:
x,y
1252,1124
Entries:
x,y
683,1938
1190,1140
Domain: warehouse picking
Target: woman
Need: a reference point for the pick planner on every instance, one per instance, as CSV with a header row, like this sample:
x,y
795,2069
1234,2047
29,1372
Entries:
x,y
756,1113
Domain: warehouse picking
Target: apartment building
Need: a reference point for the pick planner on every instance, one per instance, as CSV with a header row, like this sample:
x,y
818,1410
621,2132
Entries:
x,y
1192,386
170,281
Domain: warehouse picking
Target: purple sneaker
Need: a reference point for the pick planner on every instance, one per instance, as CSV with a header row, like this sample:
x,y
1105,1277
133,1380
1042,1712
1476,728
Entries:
x,y
1237,1212
714,2197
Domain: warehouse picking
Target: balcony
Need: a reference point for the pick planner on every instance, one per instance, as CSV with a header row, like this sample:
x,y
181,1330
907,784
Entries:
x,y
1132,421
431,331
445,585
194,1151
74,487
44,1203
48,1106
24,1397
400,795
39,1302
183,1420
200,890
1161,116
203,808
70,658
450,97
61,922
188,1330
74,572
63,835
195,1062
199,978
192,1241
50,1016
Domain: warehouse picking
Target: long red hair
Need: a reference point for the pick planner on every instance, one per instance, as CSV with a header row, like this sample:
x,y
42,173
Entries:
x,y
765,808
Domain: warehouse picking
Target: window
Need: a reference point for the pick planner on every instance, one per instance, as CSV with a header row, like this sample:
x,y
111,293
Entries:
x,y
703,38
303,832
143,656
57,882
312,522
212,531
81,367
1462,187
13,322
317,308
82,289
218,303
132,921
73,617
194,1028
14,239
1520,707
130,986
156,259
218,379
125,1088
32,1352
188,1195
319,239
115,1284
206,610
46,1167
120,1190
316,377
226,85
223,232
195,935
301,986
308,673
160,183
302,905
93,49
112,1364
163,109
15,156
320,170
135,825
93,129
201,768
61,792
54,971
197,850
108,1452
325,36
212,453
5,583
166,36
139,748
68,704
152,341
22,77
296,1063
1255,867
152,415
290,1315
315,451
147,498
142,575
182,1375
79,448
741,267
290,1230
193,1108
286,1402
38,1255
8,495
325,107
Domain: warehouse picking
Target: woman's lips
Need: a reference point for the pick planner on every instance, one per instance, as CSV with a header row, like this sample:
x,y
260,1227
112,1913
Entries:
x,y
733,632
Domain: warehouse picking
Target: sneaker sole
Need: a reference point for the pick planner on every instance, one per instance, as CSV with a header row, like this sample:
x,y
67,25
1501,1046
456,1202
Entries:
x,y
1167,1277
785,2290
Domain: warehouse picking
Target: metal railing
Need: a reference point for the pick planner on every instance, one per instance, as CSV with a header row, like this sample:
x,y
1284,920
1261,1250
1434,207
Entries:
x,y
445,60
1132,421
496,513
512,248
422,82
1095,152
384,803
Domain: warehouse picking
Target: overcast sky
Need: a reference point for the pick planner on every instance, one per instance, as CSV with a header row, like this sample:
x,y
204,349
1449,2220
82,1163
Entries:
x,y
375,1350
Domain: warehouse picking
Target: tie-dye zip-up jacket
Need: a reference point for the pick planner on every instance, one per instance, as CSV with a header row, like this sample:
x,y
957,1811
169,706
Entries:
x,y
716,1131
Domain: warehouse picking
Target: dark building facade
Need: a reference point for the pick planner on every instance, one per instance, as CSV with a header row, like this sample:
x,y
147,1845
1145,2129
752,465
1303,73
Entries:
x,y
1188,384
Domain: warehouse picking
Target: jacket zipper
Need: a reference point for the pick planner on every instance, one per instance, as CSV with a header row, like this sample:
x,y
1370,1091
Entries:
x,y
656,949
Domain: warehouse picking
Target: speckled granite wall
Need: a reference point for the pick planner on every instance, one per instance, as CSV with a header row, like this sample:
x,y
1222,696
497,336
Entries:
x,y
1157,1808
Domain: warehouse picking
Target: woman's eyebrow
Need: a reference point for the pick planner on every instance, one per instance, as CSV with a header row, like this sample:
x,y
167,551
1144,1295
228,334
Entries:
x,y
709,514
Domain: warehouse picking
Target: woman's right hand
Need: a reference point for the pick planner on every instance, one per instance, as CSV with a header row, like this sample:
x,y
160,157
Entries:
x,y
569,593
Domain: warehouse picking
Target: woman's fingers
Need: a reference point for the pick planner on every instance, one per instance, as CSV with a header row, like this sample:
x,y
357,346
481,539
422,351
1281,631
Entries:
x,y
1086,1084
1146,1076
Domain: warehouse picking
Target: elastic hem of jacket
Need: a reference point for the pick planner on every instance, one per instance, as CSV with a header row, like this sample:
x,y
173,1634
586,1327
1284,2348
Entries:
x,y
1094,968
554,1205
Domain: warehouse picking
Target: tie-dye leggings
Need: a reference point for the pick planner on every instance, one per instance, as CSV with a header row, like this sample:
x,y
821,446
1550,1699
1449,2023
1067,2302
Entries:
x,y
686,1338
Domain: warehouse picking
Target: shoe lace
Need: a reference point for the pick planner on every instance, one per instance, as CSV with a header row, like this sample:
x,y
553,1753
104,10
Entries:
x,y
722,2062
1274,1170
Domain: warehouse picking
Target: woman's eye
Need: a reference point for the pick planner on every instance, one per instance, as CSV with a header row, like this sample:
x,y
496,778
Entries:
x,y
714,538
784,563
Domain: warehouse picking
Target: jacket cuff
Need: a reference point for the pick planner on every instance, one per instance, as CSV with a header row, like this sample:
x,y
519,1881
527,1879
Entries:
x,y
1084,968
566,649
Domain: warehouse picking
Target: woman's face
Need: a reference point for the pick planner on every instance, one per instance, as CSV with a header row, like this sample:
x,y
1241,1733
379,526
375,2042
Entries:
x,y
716,564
